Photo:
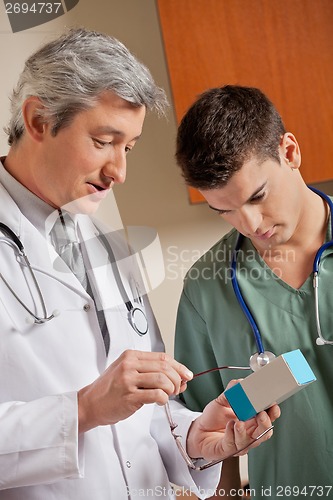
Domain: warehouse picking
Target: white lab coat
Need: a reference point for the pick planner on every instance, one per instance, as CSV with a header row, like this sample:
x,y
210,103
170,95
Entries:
x,y
42,367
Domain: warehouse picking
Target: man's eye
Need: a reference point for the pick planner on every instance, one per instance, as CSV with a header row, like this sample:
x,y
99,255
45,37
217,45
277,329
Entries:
x,y
100,143
258,197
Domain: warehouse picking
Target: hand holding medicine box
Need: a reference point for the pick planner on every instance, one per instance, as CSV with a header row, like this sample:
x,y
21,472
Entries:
x,y
273,383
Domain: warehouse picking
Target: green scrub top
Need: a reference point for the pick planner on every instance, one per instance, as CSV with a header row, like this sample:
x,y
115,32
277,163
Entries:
x,y
212,330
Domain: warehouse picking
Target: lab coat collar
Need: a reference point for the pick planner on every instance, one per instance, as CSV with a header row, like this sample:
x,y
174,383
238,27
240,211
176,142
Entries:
x,y
40,252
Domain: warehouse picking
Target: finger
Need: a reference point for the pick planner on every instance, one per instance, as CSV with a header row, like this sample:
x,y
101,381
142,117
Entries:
x,y
165,359
182,370
160,374
166,368
149,396
229,446
255,426
264,422
274,412
221,399
236,440
233,382
242,439
183,386
160,361
146,372
156,381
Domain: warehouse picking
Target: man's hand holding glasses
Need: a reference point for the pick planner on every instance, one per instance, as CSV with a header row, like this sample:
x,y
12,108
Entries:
x,y
217,434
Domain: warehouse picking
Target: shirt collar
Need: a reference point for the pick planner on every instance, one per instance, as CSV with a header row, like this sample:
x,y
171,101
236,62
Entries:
x,y
34,208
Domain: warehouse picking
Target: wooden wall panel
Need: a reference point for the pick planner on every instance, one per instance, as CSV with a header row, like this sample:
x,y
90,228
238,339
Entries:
x,y
284,47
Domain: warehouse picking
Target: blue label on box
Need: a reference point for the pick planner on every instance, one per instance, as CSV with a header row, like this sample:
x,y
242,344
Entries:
x,y
239,402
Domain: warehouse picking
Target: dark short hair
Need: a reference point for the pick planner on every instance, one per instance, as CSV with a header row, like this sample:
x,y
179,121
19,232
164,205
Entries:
x,y
225,127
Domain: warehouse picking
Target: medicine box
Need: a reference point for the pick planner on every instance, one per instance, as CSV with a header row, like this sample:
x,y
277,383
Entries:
x,y
273,383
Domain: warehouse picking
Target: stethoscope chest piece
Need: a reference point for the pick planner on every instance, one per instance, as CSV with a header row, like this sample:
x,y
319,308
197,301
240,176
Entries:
x,y
257,360
138,320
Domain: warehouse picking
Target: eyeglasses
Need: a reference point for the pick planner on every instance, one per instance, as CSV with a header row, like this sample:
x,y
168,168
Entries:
x,y
178,438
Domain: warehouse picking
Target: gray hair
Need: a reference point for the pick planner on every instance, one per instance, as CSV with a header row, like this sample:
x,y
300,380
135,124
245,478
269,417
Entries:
x,y
70,73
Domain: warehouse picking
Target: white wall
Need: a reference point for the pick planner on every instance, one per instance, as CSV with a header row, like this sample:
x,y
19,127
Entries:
x,y
154,194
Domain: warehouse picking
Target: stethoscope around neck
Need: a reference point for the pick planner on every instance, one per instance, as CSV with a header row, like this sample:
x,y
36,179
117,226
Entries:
x,y
262,357
16,243
136,315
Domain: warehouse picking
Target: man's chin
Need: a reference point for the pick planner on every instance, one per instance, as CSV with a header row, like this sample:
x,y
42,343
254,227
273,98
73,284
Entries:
x,y
86,205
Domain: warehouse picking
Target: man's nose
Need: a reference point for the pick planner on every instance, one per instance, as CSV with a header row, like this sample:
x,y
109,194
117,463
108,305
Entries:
x,y
250,219
115,167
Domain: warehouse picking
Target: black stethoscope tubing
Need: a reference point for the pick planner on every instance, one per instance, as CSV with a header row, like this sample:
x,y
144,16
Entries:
x,y
136,315
36,319
5,229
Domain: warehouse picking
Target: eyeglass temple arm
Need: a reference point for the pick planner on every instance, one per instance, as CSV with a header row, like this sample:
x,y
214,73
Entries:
x,y
221,368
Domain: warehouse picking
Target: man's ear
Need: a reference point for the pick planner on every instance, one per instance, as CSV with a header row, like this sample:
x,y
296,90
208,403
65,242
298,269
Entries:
x,y
35,125
290,151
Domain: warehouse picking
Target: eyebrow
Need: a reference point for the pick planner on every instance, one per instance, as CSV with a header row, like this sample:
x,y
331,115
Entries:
x,y
106,129
253,195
